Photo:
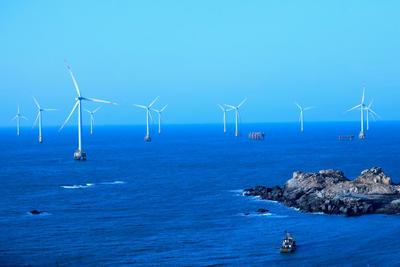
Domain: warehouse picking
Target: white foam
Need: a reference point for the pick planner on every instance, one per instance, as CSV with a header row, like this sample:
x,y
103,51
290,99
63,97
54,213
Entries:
x,y
267,214
77,186
236,191
115,182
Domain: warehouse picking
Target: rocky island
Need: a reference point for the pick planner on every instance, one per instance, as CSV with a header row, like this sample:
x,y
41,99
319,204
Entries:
x,y
330,192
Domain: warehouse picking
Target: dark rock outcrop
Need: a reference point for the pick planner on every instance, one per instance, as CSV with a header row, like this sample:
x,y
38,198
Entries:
x,y
330,192
35,212
262,210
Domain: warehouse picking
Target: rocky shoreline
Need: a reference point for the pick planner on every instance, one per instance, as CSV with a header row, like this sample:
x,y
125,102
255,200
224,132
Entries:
x,y
330,192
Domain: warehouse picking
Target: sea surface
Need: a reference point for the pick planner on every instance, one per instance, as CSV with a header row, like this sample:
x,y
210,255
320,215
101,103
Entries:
x,y
177,201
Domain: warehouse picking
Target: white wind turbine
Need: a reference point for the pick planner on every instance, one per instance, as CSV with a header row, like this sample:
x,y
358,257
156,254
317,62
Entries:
x,y
361,106
39,118
370,112
224,110
79,153
91,113
159,117
237,114
147,138
301,118
18,118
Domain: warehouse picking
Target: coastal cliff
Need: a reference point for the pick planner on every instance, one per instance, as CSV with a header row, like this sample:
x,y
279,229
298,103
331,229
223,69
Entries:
x,y
330,192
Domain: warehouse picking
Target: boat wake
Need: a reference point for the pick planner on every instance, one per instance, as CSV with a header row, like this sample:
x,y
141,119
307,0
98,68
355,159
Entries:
x,y
77,186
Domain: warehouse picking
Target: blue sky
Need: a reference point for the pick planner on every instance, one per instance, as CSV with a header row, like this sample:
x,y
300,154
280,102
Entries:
x,y
196,54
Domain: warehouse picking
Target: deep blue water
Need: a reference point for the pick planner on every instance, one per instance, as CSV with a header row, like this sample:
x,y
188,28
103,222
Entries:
x,y
177,202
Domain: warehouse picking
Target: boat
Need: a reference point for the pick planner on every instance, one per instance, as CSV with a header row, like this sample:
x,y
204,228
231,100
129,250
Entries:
x,y
288,244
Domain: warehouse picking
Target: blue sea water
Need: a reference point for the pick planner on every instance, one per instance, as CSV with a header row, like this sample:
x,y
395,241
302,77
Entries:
x,y
177,200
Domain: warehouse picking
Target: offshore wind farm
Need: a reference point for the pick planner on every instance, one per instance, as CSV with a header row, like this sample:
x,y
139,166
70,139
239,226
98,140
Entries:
x,y
211,133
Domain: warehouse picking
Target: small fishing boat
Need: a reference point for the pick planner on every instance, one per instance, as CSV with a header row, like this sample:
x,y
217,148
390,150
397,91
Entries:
x,y
288,244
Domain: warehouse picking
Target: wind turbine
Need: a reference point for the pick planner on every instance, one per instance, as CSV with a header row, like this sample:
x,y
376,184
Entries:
x,y
237,114
361,106
92,118
159,117
147,137
79,153
370,112
224,110
18,118
39,118
302,115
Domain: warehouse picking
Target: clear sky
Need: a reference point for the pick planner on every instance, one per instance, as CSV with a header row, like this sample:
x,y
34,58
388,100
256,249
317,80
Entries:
x,y
196,54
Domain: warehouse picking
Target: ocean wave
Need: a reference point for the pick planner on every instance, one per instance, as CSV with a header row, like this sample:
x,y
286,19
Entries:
x,y
42,213
237,192
77,186
258,198
114,182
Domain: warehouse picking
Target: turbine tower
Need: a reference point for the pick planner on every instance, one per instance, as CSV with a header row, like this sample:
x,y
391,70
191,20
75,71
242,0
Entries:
x,y
159,117
18,118
237,114
39,118
147,137
370,112
79,153
361,106
301,118
224,110
91,113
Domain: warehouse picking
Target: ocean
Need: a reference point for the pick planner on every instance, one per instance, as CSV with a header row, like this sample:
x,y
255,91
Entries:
x,y
177,201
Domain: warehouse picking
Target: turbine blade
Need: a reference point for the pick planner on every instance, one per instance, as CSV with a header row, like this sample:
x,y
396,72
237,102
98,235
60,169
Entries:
x,y
69,116
353,108
25,118
98,100
241,103
221,107
50,109
163,108
152,103
151,117
88,111
308,108
370,104
374,113
363,96
14,118
140,106
97,109
73,79
36,102
36,120
230,106
298,105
